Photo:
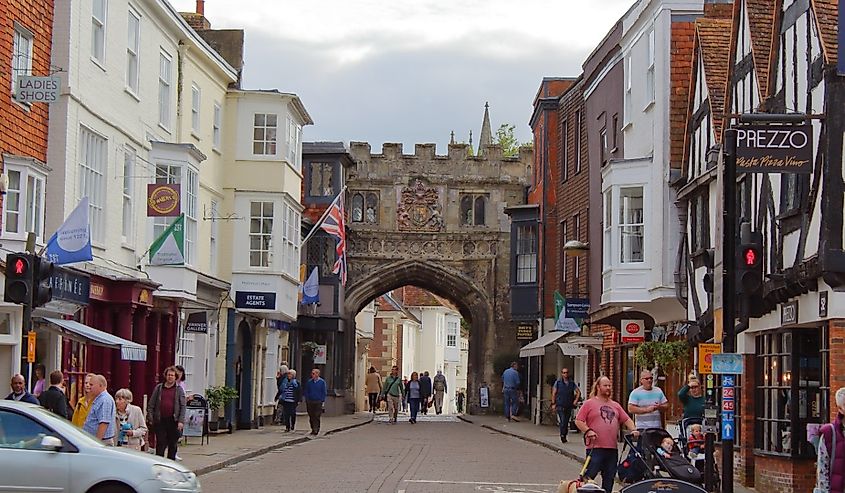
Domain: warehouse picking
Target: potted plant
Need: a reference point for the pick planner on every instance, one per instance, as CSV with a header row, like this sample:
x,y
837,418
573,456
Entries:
x,y
218,397
309,346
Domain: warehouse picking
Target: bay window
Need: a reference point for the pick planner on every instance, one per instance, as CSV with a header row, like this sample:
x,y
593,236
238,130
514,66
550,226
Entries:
x,y
793,382
260,233
631,225
526,254
24,202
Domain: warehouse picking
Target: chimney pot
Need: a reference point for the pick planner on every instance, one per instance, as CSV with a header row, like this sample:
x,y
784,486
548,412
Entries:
x,y
201,7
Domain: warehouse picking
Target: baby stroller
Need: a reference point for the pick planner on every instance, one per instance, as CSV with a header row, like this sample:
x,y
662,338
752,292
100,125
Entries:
x,y
646,460
689,444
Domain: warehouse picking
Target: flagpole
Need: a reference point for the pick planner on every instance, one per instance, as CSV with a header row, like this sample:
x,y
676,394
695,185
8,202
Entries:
x,y
322,218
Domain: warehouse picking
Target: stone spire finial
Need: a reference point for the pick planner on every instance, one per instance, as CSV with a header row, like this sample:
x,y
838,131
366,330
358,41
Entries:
x,y
470,142
452,139
486,133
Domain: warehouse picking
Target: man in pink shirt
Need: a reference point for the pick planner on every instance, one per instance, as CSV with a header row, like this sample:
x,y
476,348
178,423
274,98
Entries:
x,y
600,419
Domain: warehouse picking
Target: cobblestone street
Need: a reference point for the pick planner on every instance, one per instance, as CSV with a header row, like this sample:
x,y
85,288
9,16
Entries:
x,y
438,454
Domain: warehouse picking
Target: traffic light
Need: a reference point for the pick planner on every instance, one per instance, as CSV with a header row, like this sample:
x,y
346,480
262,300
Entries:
x,y
749,262
42,272
18,288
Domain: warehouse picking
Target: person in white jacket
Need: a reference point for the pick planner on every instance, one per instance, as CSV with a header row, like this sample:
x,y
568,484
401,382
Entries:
x,y
129,420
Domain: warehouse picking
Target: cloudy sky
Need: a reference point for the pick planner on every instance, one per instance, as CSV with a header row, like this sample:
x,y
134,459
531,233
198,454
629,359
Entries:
x,y
412,70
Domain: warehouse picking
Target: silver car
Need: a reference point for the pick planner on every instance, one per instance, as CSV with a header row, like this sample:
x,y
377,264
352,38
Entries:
x,y
40,451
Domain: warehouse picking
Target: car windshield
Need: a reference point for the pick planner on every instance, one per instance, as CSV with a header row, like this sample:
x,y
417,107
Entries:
x,y
64,428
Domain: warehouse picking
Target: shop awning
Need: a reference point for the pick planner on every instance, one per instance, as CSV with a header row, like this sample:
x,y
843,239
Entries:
x,y
537,347
129,351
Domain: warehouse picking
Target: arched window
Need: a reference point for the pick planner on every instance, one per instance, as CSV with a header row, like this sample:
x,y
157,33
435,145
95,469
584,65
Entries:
x,y
357,208
371,213
466,209
479,211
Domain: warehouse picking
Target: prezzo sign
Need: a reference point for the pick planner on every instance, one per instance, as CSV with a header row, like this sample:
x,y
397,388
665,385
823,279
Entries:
x,y
774,148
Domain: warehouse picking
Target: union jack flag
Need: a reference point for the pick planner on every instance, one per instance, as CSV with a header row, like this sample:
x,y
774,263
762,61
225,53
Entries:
x,y
335,225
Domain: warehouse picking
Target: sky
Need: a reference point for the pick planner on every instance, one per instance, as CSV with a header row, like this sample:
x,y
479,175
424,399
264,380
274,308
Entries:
x,y
412,71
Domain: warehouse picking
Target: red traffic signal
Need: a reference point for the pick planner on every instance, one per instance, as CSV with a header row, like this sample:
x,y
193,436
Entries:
x,y
20,267
751,256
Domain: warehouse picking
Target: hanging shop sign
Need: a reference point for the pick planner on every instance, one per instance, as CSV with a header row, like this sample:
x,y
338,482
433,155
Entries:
x,y
255,300
525,333
32,89
633,331
163,200
774,149
197,323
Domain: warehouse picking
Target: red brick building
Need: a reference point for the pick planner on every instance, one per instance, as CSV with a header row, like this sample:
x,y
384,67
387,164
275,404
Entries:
x,y
26,32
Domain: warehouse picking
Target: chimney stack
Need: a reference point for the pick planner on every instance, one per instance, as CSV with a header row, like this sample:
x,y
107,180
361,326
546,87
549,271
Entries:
x,y
201,7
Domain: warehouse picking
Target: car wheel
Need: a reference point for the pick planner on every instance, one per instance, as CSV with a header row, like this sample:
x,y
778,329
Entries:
x,y
111,488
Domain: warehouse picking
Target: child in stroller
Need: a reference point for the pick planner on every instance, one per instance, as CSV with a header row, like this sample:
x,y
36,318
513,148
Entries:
x,y
655,456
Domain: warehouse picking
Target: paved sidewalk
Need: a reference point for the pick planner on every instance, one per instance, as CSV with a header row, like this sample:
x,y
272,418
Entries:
x,y
545,436
226,449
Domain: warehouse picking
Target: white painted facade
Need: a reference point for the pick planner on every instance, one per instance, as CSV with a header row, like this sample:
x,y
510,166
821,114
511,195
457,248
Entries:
x,y
364,333
640,220
429,348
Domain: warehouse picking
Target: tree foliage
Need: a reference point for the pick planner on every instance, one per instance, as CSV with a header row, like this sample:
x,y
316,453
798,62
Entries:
x,y
667,356
507,140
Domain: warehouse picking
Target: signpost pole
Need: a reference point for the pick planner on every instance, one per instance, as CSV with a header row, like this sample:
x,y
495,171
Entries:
x,y
728,282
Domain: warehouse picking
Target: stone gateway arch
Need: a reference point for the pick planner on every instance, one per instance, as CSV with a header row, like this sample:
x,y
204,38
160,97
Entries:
x,y
438,223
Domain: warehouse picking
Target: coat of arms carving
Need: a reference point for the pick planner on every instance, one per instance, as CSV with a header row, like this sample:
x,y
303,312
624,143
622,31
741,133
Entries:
x,y
419,208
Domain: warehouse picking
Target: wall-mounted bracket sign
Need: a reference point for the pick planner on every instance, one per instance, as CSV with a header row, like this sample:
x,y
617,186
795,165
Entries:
x,y
774,148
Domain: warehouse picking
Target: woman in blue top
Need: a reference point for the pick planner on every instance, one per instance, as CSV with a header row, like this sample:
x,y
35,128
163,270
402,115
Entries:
x,y
290,394
412,390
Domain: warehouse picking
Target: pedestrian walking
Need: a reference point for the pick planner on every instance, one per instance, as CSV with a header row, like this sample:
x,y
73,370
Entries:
x,y
565,396
646,402
412,390
461,401
54,397
19,392
83,404
404,400
100,421
373,386
510,388
393,392
830,453
315,399
440,388
291,393
166,413
691,396
130,422
426,388
281,374
600,419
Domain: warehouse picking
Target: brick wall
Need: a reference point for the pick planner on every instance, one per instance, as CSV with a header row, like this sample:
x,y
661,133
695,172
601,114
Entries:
x,y
744,457
573,193
680,67
837,363
23,130
782,475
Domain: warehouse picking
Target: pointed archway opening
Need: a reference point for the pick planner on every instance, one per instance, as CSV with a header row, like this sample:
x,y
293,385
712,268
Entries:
x,y
473,305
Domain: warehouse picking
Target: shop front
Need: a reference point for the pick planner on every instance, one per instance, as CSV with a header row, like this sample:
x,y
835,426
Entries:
x,y
320,342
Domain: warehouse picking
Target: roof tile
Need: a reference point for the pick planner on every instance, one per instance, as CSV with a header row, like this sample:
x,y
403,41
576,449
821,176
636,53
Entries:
x,y
761,22
713,39
827,17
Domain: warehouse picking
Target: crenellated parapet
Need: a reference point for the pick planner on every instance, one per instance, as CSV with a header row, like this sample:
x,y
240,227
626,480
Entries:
x,y
457,165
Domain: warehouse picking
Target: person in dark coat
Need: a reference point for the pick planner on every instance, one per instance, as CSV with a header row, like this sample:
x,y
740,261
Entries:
x,y
54,398
19,392
425,392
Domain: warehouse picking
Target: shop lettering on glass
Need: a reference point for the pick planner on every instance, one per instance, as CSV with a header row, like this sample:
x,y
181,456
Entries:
x,y
774,149
70,286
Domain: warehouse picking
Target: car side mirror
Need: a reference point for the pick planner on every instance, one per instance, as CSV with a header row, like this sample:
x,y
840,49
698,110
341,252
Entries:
x,y
51,443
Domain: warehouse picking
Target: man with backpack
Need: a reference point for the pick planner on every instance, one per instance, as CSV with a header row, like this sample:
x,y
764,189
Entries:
x,y
439,391
393,390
